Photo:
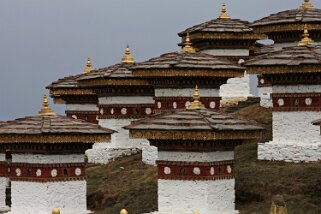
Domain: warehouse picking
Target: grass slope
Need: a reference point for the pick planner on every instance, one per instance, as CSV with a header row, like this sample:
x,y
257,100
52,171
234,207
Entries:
x,y
128,183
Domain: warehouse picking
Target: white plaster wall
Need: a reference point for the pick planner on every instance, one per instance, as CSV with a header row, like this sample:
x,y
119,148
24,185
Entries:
x,y
186,92
237,89
2,156
297,89
265,96
295,127
149,155
195,156
104,155
299,152
3,185
41,198
184,197
44,159
81,107
126,100
227,52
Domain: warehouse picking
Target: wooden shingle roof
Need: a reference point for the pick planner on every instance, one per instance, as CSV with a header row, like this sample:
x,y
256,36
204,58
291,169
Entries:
x,y
295,59
187,64
44,129
198,124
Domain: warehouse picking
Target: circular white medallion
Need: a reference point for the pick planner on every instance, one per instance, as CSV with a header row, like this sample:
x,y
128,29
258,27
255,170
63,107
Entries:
x,y
167,170
54,173
281,102
9,169
101,111
187,103
74,117
174,105
77,171
308,101
38,172
197,170
159,104
18,171
112,111
212,104
262,81
123,111
229,169
241,61
212,171
148,110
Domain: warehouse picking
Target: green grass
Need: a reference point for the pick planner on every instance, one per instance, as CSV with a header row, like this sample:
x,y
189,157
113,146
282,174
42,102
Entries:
x,y
134,187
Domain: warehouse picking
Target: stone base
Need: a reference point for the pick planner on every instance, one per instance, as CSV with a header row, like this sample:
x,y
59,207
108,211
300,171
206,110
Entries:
x,y
231,101
289,152
105,155
149,155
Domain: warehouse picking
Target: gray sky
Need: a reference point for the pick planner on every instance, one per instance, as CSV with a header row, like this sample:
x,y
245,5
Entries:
x,y
42,40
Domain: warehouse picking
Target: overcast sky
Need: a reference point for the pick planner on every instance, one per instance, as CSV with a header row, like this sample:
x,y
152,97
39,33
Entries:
x,y
42,40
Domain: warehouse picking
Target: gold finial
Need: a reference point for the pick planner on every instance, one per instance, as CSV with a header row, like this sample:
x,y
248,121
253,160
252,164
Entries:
x,y
123,211
306,40
224,14
127,58
196,212
88,66
278,205
55,211
46,110
306,5
196,104
187,48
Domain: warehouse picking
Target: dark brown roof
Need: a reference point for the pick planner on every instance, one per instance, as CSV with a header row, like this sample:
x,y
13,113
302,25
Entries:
x,y
295,16
188,62
66,82
220,26
189,121
267,49
52,125
115,71
316,122
290,58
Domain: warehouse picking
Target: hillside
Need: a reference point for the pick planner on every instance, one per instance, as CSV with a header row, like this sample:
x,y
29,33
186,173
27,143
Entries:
x,y
128,183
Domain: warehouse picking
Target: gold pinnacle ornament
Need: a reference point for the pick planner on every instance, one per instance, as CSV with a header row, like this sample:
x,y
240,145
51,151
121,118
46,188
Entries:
x,y
55,211
306,40
188,45
88,66
123,211
46,110
127,58
196,104
306,5
224,14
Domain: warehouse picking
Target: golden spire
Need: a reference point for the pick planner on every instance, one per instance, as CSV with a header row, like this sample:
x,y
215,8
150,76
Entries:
x,y
127,58
88,66
55,211
196,104
187,48
196,212
123,211
306,5
306,40
224,14
46,110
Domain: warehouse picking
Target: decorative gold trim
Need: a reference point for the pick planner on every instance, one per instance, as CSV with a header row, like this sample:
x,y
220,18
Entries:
x,y
283,69
224,14
306,40
196,104
187,48
51,138
228,36
194,135
306,5
272,28
188,73
46,110
56,92
114,82
88,66
128,58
